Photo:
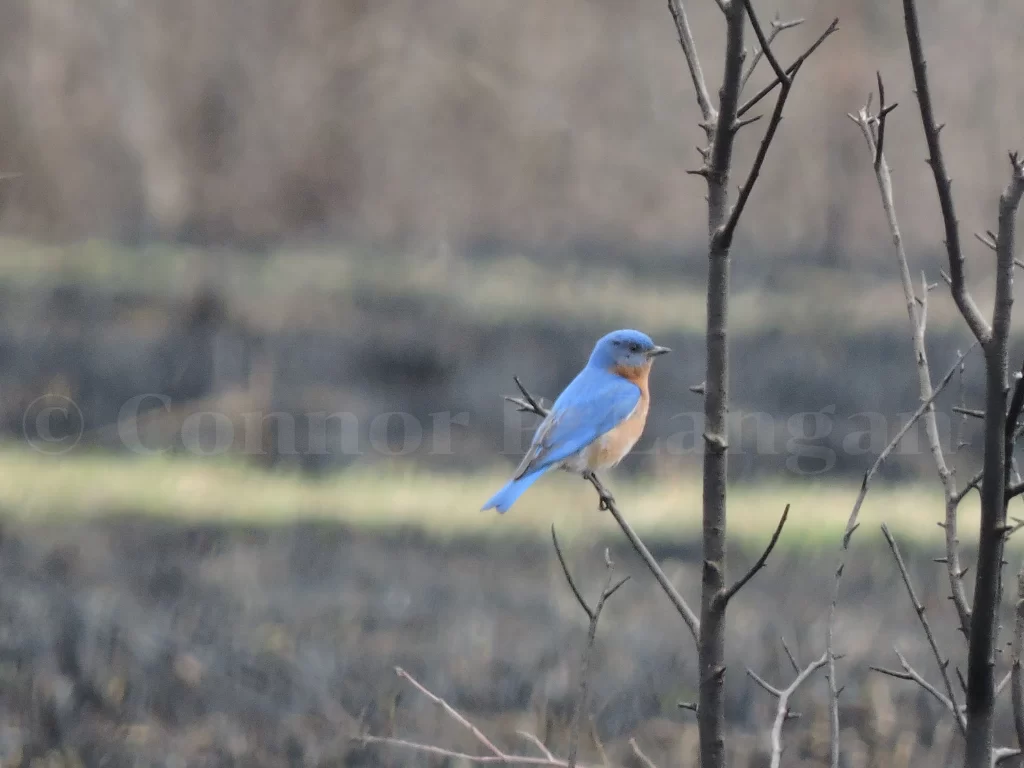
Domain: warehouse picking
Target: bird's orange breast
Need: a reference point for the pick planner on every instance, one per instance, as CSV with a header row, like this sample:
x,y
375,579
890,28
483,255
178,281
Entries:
x,y
613,446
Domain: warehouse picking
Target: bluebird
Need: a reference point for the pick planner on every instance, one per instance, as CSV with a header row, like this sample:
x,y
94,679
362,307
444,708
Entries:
x,y
596,420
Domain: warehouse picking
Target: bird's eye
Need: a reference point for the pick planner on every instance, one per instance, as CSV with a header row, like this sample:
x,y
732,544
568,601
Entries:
x,y
634,347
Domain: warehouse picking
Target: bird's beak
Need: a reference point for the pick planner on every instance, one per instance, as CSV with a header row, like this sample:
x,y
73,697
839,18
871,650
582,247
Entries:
x,y
655,351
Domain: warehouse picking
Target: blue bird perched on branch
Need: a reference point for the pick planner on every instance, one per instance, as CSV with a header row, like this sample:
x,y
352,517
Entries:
x,y
596,420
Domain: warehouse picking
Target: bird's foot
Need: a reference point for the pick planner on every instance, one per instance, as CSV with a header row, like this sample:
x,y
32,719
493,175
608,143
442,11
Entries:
x,y
606,500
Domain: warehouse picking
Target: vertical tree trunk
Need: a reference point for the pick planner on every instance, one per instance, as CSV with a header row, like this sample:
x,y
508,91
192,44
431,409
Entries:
x,y
711,652
998,444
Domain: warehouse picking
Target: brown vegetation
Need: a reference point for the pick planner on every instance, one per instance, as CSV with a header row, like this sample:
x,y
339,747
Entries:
x,y
516,119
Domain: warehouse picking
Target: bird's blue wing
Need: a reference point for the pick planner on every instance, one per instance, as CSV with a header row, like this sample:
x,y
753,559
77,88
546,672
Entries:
x,y
593,403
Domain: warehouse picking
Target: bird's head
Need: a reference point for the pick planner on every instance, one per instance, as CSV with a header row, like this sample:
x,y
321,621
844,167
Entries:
x,y
626,349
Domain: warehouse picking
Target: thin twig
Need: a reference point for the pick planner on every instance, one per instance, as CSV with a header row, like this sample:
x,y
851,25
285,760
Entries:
x,y
430,749
537,743
971,484
707,111
497,757
452,713
594,615
851,526
965,303
919,609
730,593
790,655
568,576
883,112
974,413
909,673
782,710
724,234
777,27
872,127
1001,686
644,759
790,71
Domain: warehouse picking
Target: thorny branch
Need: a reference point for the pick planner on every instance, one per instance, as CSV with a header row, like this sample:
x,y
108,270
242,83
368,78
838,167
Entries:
x,y
909,673
872,126
723,236
783,695
728,594
926,626
777,27
707,112
790,71
784,78
594,614
851,526
528,404
943,184
997,469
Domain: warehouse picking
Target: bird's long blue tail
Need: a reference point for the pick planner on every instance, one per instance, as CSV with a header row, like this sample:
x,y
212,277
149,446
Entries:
x,y
513,489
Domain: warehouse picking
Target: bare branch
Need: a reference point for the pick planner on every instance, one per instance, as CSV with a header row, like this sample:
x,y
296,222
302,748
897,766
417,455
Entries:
x,y
429,749
1016,678
708,112
644,759
792,657
532,405
568,576
497,757
790,71
883,113
711,643
998,462
744,122
450,711
851,526
909,673
943,185
730,593
782,710
1004,682
594,614
539,744
608,503
725,233
987,239
974,413
777,27
919,609
872,127
973,483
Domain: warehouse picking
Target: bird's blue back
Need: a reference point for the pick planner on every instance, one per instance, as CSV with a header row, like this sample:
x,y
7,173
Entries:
x,y
594,402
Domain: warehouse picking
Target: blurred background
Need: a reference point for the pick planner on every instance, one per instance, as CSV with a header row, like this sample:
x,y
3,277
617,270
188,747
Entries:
x,y
267,270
